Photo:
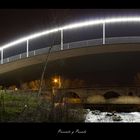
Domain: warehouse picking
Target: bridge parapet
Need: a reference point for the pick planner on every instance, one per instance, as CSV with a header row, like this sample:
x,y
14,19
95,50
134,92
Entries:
x,y
73,45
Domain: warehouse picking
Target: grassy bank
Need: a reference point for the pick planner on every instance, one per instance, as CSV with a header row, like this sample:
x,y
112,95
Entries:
x,y
28,107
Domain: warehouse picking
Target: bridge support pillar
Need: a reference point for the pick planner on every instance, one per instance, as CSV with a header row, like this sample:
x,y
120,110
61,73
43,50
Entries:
x,y
27,48
2,56
62,40
103,32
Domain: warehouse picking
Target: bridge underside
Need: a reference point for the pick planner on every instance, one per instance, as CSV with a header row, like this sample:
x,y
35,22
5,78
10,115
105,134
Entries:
x,y
105,68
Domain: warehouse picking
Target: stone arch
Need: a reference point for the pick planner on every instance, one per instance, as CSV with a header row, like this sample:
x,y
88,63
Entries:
x,y
130,93
70,95
111,94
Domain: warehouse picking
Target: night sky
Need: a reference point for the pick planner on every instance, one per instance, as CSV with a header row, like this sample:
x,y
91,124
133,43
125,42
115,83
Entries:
x,y
16,23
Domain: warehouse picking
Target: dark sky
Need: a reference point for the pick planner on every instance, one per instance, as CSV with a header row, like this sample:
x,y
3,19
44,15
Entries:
x,y
15,23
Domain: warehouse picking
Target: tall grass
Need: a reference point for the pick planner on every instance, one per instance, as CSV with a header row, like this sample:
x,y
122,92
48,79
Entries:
x,y
28,107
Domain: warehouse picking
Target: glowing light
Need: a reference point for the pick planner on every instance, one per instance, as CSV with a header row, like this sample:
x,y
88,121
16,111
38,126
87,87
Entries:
x,y
72,26
55,80
16,89
33,36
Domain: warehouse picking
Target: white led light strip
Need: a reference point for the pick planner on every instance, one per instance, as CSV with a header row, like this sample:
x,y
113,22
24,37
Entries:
x,y
71,26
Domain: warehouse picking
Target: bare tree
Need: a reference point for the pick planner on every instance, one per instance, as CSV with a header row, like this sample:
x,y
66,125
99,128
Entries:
x,y
54,21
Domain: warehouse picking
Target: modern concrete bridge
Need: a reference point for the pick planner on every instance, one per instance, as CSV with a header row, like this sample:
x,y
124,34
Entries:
x,y
104,60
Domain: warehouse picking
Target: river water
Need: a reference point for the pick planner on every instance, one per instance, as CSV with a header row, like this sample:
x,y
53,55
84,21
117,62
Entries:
x,y
97,116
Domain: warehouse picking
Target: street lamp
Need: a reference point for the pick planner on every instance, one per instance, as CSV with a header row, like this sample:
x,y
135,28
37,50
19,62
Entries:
x,y
56,84
57,80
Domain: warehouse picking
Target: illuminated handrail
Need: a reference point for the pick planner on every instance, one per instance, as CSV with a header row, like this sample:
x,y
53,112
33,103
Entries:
x,y
102,21
93,22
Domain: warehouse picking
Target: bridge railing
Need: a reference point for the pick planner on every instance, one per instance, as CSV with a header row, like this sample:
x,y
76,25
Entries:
x,y
117,40
71,45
